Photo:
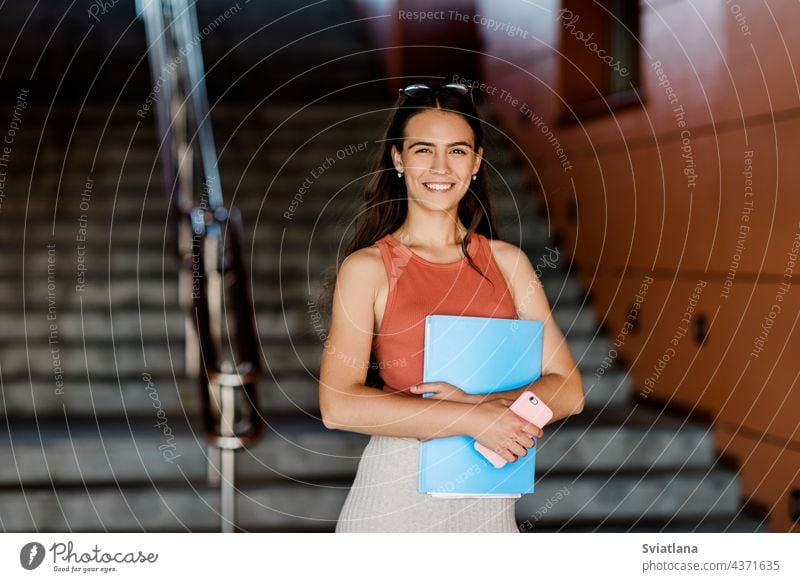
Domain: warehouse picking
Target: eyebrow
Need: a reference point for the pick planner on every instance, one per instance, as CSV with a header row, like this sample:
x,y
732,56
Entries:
x,y
427,143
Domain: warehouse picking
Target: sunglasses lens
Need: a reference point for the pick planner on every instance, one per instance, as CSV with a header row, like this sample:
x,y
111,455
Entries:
x,y
416,90
420,90
457,88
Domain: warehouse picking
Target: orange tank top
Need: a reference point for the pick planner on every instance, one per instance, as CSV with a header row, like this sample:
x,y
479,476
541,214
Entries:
x,y
418,288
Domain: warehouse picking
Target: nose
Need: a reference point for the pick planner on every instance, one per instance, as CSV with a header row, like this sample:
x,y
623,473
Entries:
x,y
439,163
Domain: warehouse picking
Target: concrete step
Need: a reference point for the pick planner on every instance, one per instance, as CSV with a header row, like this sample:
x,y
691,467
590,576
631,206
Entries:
x,y
121,119
628,498
260,147
138,193
129,396
129,261
290,322
38,359
292,150
141,291
301,448
619,438
227,118
153,236
144,207
126,262
296,149
193,506
234,157
133,359
115,133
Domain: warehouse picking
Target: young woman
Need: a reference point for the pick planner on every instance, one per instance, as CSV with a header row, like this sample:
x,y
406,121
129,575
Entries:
x,y
424,244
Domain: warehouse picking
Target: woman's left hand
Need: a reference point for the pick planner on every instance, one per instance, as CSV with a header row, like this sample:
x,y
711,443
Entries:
x,y
445,391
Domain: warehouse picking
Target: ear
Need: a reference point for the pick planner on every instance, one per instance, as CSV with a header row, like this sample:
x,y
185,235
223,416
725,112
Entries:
x,y
396,158
478,159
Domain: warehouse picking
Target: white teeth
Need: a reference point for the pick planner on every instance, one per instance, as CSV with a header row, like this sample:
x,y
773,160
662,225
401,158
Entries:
x,y
439,187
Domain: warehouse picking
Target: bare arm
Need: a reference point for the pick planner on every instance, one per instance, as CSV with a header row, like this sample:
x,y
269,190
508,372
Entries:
x,y
346,403
560,385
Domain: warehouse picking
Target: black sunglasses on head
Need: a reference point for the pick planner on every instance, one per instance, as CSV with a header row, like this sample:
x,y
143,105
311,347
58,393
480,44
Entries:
x,y
420,90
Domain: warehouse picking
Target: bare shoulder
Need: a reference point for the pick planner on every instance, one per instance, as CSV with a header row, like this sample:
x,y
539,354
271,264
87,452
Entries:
x,y
503,247
509,257
523,281
364,266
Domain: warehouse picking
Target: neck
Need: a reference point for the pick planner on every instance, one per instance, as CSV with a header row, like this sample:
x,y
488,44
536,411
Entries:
x,y
431,228
432,233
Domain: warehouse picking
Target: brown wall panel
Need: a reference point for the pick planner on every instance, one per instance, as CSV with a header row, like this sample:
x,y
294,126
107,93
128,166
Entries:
x,y
718,75
769,473
757,382
666,361
714,70
643,213
740,374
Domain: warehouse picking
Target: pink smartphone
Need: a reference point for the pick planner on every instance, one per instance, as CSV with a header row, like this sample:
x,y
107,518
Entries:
x,y
528,407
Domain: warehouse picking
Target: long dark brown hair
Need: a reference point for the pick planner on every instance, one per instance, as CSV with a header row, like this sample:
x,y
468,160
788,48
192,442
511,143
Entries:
x,y
385,203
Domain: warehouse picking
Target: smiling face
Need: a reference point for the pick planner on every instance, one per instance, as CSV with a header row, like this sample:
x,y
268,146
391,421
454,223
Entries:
x,y
438,158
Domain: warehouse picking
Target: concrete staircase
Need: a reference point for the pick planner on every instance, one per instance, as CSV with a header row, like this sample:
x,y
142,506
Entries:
x,y
89,457
93,382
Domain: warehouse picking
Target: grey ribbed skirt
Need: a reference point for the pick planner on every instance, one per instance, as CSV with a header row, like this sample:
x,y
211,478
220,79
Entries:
x,y
384,497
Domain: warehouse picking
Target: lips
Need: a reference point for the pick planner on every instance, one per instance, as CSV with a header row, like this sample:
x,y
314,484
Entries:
x,y
438,186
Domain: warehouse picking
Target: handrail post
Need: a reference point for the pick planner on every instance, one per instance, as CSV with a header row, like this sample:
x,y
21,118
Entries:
x,y
212,280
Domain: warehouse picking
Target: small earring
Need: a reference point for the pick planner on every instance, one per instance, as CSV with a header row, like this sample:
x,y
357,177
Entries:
x,y
399,174
474,176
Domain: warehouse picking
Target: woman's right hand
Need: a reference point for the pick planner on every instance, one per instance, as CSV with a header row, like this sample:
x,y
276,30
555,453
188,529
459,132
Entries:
x,y
498,428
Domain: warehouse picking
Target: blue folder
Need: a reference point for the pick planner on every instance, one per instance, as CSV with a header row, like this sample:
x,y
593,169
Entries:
x,y
478,355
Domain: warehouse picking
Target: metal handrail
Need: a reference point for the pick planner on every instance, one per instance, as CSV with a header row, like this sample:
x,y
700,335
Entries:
x,y
208,240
